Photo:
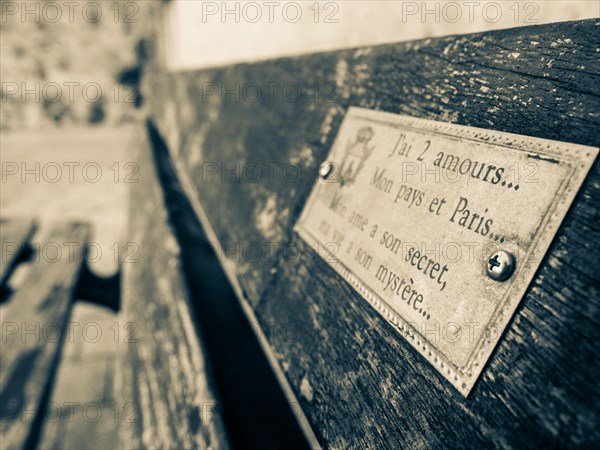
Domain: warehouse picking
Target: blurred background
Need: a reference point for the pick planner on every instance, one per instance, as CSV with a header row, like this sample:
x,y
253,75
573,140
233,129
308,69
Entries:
x,y
70,97
69,107
92,54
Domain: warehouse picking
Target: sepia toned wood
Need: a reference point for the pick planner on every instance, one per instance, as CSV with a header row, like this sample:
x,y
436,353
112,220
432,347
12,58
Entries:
x,y
176,297
14,238
33,329
162,372
359,383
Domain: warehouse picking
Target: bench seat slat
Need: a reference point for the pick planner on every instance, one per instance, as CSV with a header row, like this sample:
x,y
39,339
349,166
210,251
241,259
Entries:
x,y
163,372
32,332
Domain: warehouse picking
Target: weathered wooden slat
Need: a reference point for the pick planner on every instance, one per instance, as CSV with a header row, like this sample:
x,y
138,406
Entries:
x,y
14,238
360,384
162,371
242,364
33,328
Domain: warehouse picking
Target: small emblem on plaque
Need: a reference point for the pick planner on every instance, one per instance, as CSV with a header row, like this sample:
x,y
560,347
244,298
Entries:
x,y
357,152
441,227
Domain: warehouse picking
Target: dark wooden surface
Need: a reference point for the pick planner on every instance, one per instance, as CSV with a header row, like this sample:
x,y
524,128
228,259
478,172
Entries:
x,y
359,382
33,329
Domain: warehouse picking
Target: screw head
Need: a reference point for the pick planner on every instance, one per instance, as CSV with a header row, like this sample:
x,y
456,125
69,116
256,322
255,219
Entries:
x,y
500,265
325,169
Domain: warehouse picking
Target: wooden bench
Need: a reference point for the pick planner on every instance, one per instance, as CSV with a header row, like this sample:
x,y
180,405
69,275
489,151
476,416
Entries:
x,y
344,379
34,318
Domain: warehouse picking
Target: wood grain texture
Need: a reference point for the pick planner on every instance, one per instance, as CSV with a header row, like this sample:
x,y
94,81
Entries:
x,y
239,377
14,238
33,329
162,371
359,382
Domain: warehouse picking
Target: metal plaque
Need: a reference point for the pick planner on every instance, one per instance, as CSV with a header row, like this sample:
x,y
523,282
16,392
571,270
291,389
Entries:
x,y
440,227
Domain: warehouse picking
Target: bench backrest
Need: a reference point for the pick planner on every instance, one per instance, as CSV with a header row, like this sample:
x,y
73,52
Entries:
x,y
358,383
